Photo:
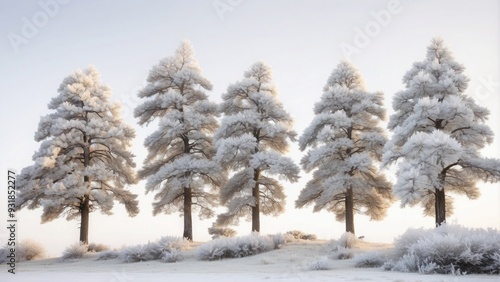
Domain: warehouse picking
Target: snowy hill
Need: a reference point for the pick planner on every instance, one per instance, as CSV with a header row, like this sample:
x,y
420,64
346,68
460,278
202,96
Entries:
x,y
290,263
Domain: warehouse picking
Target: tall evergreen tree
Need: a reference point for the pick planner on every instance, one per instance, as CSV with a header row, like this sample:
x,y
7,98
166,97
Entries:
x,y
179,163
250,142
83,163
438,133
346,141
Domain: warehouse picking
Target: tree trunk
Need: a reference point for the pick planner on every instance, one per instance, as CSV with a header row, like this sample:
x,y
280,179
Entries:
x,y
440,201
255,209
349,211
84,221
85,206
188,220
440,206
349,201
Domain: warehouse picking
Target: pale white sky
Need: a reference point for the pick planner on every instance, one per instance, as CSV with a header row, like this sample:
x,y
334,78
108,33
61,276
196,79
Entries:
x,y
302,40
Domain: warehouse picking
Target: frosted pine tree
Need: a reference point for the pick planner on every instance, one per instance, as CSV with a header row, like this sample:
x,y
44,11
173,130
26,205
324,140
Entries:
x,y
83,163
438,133
179,164
251,141
345,144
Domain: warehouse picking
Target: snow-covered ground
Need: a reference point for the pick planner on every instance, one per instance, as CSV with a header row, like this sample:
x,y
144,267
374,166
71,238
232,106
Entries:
x,y
289,263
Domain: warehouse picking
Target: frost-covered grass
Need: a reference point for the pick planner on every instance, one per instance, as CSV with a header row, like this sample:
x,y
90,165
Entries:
x,y
24,251
239,246
448,249
320,264
106,255
167,249
75,251
369,260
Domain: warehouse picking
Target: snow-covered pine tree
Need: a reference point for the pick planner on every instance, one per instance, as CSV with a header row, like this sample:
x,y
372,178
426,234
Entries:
x,y
250,142
346,142
438,132
83,163
179,163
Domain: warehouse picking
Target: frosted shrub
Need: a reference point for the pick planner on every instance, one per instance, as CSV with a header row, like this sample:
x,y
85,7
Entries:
x,y
449,249
407,263
26,250
235,247
388,265
342,253
106,255
279,240
321,264
95,247
74,251
167,249
347,240
29,250
369,260
310,237
341,248
172,242
174,255
299,235
218,232
296,234
215,250
408,239
149,251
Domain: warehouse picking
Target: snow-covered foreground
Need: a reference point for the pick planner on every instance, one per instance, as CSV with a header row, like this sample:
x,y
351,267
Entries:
x,y
289,263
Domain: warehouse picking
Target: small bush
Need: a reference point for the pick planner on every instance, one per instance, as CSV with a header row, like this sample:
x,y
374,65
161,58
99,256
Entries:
x,y
342,253
369,260
279,240
74,251
449,249
25,250
299,235
218,232
149,251
388,265
403,243
310,237
321,264
235,247
106,255
407,263
96,248
347,240
174,255
165,249
296,234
